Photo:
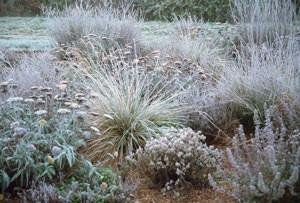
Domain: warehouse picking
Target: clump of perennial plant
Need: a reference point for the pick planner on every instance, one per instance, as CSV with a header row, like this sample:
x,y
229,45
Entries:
x,y
116,27
264,168
39,148
177,157
131,105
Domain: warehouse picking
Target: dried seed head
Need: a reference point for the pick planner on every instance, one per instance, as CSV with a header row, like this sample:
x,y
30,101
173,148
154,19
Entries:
x,y
156,52
41,113
81,99
74,106
79,95
34,88
63,111
178,63
62,87
40,101
29,101
104,186
46,89
126,53
203,77
96,130
94,114
15,99
4,84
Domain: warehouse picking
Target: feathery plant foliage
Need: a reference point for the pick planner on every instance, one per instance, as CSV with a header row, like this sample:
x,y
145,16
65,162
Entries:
x,y
185,42
262,74
67,27
35,70
264,168
262,21
132,105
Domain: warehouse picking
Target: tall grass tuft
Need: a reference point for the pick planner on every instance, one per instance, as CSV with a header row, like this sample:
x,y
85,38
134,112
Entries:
x,y
67,27
262,74
33,70
131,106
262,21
185,42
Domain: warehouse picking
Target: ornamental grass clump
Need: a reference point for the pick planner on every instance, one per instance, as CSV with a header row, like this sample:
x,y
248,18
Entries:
x,y
264,168
178,157
185,42
131,106
69,26
261,74
261,21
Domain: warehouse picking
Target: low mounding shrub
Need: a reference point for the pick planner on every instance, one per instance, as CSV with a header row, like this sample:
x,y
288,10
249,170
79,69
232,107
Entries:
x,y
132,105
262,21
176,157
264,168
209,10
69,26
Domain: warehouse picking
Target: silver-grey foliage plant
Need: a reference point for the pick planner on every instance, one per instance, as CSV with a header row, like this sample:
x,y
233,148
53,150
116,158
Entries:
x,y
176,157
262,21
264,168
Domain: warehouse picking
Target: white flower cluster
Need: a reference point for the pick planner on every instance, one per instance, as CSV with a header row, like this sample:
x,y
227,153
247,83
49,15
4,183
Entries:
x,y
177,156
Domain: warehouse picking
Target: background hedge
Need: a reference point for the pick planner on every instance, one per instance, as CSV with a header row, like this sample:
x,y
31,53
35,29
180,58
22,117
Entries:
x,y
209,10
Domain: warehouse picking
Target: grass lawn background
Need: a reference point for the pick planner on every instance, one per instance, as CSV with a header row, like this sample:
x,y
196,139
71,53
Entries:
x,y
30,33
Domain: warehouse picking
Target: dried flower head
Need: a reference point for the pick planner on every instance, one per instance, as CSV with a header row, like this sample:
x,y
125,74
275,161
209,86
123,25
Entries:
x,y
15,100
63,111
41,113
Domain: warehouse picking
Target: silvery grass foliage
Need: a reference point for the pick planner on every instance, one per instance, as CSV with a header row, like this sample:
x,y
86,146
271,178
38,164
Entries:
x,y
185,42
35,70
264,168
132,105
262,21
67,27
178,156
4,63
262,74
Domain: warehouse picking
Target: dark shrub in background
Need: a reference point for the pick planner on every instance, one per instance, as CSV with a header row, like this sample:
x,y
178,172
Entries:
x,y
209,10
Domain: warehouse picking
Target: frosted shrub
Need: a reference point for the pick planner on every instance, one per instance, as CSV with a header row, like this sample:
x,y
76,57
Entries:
x,y
264,168
176,157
